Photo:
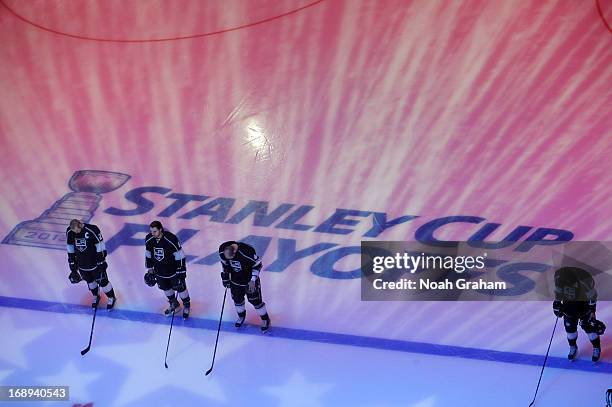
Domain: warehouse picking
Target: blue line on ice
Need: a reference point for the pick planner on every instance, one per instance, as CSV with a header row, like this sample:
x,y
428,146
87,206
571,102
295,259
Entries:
x,y
322,337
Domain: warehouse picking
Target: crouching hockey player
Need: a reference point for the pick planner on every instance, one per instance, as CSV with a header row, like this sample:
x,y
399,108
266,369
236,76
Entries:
x,y
87,260
241,267
576,302
165,263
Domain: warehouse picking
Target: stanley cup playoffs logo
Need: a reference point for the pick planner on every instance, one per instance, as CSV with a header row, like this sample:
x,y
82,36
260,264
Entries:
x,y
49,229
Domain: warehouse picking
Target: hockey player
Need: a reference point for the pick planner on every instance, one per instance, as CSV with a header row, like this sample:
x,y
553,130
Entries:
x,y
576,302
241,267
87,260
165,263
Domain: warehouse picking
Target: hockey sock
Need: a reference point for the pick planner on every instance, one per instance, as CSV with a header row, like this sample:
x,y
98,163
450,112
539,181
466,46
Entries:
x,y
240,309
93,287
263,313
185,298
594,338
170,295
108,290
571,338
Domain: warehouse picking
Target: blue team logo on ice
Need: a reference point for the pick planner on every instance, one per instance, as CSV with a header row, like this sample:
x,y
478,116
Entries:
x,y
80,244
236,265
158,253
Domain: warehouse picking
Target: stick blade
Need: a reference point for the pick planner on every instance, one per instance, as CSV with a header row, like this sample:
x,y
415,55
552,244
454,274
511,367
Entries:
x,y
208,372
166,364
84,351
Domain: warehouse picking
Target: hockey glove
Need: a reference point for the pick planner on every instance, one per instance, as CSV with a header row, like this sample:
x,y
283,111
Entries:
x,y
150,279
558,308
592,307
225,277
102,267
74,277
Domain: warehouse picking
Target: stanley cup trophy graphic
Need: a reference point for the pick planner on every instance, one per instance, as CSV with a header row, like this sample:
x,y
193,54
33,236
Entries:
x,y
49,229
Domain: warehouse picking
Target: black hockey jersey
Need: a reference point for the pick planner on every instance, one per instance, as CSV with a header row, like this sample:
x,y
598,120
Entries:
x,y
165,255
575,287
245,264
86,249
574,284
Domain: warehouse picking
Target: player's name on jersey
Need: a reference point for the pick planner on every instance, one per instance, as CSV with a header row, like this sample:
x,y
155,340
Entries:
x,y
426,284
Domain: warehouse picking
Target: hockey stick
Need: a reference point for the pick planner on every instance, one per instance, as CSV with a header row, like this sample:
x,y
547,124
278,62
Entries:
x,y
169,334
218,330
84,351
544,364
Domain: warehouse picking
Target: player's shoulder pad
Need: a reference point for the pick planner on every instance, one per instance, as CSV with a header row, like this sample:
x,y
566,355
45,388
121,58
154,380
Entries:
x,y
95,228
247,250
171,236
246,247
148,236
